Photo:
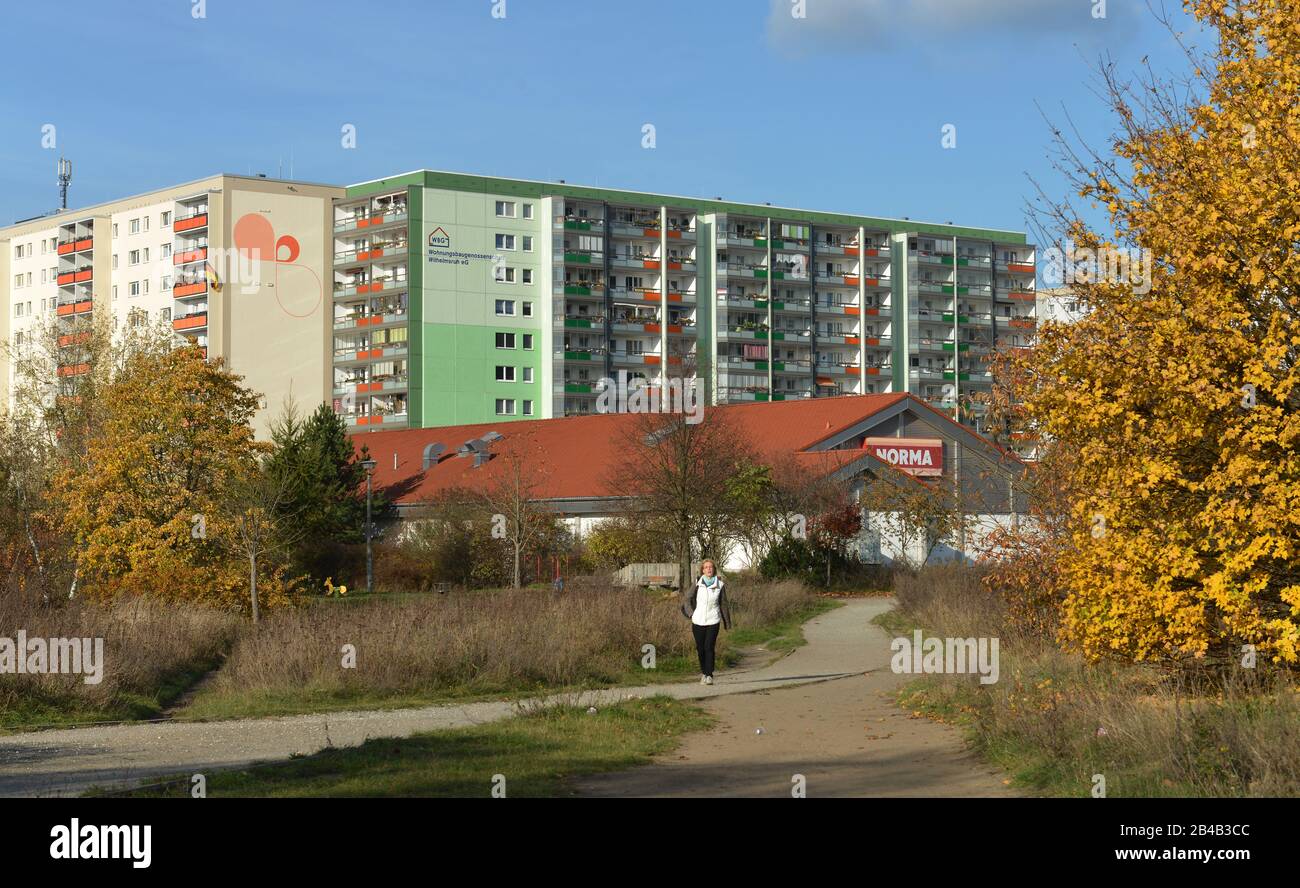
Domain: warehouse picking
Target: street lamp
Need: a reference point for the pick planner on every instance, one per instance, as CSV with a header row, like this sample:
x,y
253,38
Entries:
x,y
369,466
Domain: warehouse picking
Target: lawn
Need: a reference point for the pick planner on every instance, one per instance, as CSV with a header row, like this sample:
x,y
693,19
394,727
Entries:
x,y
537,753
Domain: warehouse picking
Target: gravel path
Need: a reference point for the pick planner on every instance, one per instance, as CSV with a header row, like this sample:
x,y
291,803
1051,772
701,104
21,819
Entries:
x,y
70,761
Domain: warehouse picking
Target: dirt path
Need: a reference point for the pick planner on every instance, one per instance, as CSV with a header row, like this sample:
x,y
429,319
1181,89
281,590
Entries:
x,y
845,736
818,727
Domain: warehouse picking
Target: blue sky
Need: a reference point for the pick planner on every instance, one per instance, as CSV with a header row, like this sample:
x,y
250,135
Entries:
x,y
841,109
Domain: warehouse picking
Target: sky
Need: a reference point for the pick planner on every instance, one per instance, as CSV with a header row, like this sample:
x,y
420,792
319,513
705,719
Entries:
x,y
837,105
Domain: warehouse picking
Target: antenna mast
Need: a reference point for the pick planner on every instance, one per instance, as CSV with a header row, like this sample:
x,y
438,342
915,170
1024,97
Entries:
x,y
65,176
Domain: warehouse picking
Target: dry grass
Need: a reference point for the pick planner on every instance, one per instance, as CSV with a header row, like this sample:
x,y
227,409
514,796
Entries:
x,y
1054,721
426,647
152,651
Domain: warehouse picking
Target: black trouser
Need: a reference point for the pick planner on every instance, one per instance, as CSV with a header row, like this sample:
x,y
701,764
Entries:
x,y
706,639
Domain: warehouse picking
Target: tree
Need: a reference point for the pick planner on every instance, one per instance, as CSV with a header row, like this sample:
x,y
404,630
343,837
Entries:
x,y
679,472
144,511
911,511
325,481
511,500
255,502
1177,395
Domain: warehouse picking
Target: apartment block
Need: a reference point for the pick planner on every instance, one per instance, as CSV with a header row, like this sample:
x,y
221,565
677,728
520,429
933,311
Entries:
x,y
237,264
464,299
435,299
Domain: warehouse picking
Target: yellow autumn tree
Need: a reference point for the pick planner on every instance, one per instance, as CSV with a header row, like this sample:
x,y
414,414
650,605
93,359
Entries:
x,y
147,508
1178,404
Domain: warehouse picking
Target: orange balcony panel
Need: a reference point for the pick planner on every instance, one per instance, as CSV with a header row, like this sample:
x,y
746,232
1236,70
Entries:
x,y
652,264
65,310
83,276
674,328
650,232
674,297
676,234
652,328
873,371
652,359
1020,322
850,281
74,369
873,311
673,361
850,309
65,249
1023,294
674,266
852,340
66,278
871,340
199,221
192,322
871,253
83,307
189,290
84,244
73,339
852,251
1020,266
190,256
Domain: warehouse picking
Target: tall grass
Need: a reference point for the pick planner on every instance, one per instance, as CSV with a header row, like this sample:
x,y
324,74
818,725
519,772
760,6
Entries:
x,y
426,647
1055,721
152,651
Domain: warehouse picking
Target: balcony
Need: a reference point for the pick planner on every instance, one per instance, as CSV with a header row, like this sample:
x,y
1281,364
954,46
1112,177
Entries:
x,y
358,321
369,222
378,286
187,257
192,222
194,321
393,249
184,291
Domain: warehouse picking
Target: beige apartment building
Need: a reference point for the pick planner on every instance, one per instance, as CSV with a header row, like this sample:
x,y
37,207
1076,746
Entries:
x,y
240,264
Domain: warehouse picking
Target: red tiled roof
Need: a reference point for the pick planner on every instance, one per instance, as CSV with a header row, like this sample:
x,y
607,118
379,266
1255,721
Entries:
x,y
580,452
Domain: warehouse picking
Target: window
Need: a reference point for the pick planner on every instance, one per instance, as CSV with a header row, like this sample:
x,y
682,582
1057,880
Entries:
x,y
507,340
505,241
528,275
115,291
506,306
145,286
165,219
505,275
528,309
166,282
134,226
133,289
505,406
505,373
146,254
528,243
528,376
166,251
18,281
18,251
115,261
528,211
528,341
165,314
18,309
114,229
506,209
528,408
133,257
146,223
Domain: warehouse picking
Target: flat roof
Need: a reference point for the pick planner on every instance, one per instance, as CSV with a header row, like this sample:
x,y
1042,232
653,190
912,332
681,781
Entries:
x,y
541,188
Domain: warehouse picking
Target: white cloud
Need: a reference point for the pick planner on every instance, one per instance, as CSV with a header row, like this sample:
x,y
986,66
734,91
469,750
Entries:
x,y
870,26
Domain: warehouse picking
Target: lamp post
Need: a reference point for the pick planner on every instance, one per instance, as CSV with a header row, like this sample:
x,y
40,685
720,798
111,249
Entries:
x,y
369,466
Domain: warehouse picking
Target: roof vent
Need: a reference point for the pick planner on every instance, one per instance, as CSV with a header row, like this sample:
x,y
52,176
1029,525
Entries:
x,y
431,454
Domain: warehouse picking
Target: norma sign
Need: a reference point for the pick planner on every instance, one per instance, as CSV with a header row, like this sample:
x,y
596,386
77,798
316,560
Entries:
x,y
916,456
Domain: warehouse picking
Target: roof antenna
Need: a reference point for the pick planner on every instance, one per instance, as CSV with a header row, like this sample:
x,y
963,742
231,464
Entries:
x,y
65,176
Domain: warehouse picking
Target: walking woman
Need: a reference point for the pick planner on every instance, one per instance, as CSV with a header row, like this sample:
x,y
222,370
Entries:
x,y
707,608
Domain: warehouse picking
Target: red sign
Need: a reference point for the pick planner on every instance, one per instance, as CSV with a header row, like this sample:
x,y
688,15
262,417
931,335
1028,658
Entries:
x,y
916,456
